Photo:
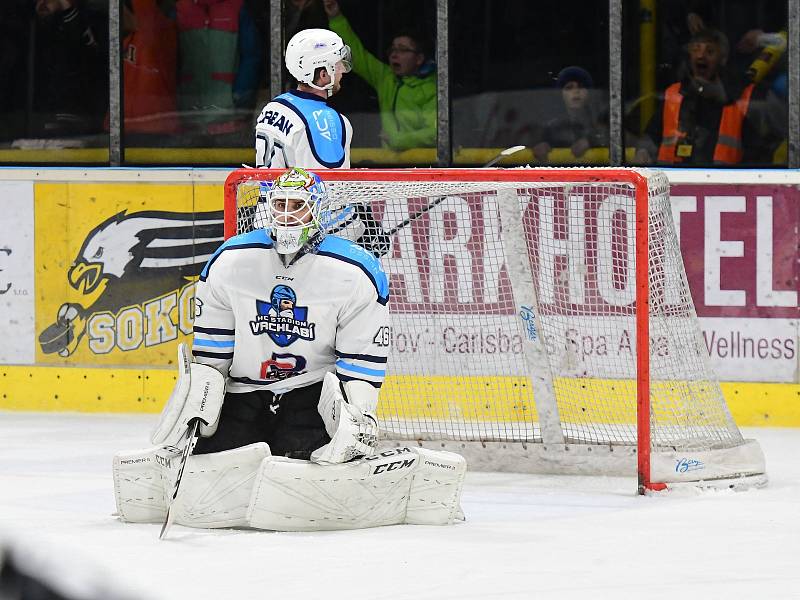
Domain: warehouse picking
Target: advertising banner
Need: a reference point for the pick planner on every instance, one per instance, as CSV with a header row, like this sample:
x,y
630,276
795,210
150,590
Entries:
x,y
740,248
116,264
16,273
453,307
116,269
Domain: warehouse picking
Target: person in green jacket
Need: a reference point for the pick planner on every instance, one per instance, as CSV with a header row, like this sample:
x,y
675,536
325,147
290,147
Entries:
x,y
406,86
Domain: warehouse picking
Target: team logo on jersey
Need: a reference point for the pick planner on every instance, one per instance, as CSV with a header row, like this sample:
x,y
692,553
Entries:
x,y
281,318
133,272
282,366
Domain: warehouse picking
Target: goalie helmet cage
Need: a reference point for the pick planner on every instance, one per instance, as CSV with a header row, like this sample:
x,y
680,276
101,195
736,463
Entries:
x,y
541,321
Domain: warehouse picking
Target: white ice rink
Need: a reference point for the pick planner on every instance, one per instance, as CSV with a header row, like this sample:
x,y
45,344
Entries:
x,y
525,536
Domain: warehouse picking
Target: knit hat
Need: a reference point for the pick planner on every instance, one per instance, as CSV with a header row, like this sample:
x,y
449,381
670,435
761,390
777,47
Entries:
x,y
573,73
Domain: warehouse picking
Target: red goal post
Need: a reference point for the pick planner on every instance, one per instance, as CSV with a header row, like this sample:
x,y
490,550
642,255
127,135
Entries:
x,y
553,322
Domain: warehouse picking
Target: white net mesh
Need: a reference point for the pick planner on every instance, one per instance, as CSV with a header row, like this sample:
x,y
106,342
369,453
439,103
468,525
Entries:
x,y
457,368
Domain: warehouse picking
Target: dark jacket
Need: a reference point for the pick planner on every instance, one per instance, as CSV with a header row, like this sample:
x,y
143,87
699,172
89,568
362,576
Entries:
x,y
72,64
567,127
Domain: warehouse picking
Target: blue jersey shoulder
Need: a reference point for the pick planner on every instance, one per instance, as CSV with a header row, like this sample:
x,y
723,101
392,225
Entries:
x,y
258,238
325,129
350,252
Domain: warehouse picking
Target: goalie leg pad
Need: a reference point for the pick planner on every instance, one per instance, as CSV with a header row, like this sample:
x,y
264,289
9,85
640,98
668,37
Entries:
x,y
435,497
292,495
138,486
216,488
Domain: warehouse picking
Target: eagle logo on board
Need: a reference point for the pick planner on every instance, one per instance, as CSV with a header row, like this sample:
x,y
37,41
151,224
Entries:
x,y
129,259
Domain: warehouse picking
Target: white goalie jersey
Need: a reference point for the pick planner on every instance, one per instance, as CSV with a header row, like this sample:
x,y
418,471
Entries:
x,y
267,326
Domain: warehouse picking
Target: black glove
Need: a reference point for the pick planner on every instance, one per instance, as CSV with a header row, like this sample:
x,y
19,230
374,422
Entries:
x,y
374,237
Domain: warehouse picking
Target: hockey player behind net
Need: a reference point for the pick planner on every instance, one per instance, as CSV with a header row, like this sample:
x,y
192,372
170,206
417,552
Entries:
x,y
299,129
290,349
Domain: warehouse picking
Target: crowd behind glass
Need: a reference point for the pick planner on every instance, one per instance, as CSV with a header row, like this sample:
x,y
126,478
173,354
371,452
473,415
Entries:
x,y
704,82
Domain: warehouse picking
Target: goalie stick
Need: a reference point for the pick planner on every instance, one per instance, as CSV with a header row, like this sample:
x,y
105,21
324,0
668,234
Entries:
x,y
191,440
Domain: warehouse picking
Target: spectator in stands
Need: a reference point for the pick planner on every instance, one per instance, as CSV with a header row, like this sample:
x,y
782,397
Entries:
x,y
769,70
741,20
578,125
769,66
709,117
71,68
406,86
150,54
678,21
209,61
253,36
14,35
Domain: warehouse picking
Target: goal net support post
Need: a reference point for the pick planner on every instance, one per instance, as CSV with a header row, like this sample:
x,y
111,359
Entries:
x,y
541,322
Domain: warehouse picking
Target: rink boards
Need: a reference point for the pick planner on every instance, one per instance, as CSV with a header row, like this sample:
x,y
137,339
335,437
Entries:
x,y
131,390
739,237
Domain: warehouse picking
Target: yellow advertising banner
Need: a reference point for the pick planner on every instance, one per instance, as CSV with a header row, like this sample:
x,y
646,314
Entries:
x,y
116,266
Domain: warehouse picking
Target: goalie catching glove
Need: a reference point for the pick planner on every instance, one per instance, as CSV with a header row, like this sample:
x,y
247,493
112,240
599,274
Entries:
x,y
347,409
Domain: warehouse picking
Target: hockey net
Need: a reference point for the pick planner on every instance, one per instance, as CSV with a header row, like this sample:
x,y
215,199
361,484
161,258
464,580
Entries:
x,y
541,321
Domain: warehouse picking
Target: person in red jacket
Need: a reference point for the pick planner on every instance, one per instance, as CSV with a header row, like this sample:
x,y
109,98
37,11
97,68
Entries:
x,y
709,117
150,55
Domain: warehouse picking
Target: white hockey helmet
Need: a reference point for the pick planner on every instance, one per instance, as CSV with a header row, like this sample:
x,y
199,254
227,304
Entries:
x,y
311,49
294,224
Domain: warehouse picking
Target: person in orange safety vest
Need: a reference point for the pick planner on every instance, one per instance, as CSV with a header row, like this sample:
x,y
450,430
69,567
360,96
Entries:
x,y
709,118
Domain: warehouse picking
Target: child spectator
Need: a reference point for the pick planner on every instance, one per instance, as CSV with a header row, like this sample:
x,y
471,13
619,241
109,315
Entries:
x,y
577,125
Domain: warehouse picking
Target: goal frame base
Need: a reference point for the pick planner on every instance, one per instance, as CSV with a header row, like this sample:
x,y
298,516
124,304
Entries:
x,y
609,460
737,484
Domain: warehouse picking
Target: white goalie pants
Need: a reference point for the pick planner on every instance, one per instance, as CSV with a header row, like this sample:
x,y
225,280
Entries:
x,y
247,487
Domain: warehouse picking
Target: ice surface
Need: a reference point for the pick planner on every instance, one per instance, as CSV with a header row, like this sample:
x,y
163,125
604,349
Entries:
x,y
526,536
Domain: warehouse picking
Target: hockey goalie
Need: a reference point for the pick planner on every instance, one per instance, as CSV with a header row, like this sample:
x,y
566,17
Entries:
x,y
271,423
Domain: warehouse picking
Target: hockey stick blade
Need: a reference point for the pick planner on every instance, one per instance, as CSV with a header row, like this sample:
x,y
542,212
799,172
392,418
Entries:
x,y
503,153
191,440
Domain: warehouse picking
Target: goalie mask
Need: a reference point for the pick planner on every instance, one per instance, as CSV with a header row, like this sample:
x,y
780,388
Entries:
x,y
311,49
296,202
